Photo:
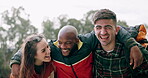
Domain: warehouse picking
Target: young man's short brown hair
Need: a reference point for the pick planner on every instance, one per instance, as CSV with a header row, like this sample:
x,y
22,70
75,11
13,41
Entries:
x,y
104,14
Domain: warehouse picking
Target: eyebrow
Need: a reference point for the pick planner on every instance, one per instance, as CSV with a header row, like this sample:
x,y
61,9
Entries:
x,y
101,26
42,49
96,25
108,26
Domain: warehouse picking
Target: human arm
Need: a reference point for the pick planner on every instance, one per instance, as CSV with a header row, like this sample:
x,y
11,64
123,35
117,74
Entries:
x,y
16,59
136,56
15,71
142,70
90,39
15,64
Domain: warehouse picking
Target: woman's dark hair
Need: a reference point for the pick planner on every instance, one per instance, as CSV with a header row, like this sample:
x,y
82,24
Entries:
x,y
29,51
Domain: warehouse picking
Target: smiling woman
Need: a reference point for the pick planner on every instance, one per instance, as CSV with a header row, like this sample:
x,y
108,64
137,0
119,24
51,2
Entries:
x,y
36,60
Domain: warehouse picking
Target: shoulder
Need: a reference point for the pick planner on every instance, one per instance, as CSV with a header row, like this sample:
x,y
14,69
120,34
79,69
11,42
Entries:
x,y
48,70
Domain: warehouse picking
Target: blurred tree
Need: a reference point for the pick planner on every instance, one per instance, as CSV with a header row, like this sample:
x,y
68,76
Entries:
x,y
122,23
17,26
87,21
48,29
3,68
76,23
63,20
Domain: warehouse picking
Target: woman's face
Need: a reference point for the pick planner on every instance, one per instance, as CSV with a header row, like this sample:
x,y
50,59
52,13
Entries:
x,y
43,52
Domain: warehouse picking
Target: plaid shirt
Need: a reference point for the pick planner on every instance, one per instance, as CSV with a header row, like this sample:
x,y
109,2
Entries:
x,y
115,64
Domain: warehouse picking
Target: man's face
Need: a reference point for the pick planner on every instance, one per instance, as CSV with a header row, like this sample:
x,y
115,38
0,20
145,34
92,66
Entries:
x,y
105,31
66,42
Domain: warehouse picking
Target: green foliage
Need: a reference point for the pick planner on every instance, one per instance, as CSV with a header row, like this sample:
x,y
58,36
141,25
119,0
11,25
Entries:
x,y
83,26
63,20
18,27
14,28
87,21
48,29
4,72
122,23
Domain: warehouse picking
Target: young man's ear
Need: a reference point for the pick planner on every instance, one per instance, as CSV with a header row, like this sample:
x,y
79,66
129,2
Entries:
x,y
117,29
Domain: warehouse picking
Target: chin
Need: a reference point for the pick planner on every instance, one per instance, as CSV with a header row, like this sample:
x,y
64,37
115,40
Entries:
x,y
65,54
47,61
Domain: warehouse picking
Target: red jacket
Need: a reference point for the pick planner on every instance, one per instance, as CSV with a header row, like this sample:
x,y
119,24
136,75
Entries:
x,y
77,65
82,68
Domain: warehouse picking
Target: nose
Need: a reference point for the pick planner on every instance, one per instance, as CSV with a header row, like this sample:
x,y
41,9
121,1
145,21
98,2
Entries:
x,y
103,31
48,51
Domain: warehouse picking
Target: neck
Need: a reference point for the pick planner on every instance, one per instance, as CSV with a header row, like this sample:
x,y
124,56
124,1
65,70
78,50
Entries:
x,y
38,62
109,47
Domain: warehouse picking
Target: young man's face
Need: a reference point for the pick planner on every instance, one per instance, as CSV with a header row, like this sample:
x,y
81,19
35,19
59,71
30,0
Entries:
x,y
105,31
66,43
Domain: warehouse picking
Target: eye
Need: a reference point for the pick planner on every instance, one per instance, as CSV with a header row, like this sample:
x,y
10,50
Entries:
x,y
98,27
60,42
108,27
68,42
43,50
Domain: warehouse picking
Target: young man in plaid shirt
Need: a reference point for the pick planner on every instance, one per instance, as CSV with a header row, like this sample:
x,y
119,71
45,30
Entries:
x,y
111,59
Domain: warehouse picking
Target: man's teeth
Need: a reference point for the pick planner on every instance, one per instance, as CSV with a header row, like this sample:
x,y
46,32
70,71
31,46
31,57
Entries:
x,y
64,50
104,37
